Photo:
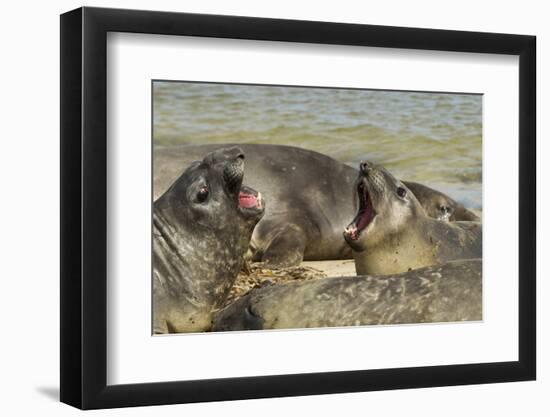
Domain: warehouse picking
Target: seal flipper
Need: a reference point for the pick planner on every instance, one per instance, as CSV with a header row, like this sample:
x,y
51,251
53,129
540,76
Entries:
x,y
286,249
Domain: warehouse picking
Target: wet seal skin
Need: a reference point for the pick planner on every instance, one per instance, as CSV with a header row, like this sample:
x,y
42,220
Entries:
x,y
450,292
307,198
201,230
392,233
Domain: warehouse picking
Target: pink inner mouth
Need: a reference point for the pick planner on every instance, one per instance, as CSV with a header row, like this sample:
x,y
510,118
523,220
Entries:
x,y
365,215
249,200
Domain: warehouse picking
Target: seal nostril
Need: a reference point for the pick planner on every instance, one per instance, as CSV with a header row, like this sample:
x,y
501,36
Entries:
x,y
233,153
237,152
364,166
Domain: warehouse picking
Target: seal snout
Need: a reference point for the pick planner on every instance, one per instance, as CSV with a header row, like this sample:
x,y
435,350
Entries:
x,y
233,153
233,170
365,167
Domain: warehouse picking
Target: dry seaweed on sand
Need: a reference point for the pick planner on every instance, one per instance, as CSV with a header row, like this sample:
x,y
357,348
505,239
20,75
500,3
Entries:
x,y
256,275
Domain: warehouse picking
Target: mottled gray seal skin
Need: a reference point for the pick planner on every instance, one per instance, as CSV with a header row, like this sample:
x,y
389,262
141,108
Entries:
x,y
440,206
307,194
392,233
201,229
440,293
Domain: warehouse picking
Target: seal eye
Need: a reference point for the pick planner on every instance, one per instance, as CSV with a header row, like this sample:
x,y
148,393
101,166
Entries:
x,y
401,192
202,195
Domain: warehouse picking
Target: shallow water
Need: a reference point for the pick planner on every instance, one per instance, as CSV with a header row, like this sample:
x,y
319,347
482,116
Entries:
x,y
434,138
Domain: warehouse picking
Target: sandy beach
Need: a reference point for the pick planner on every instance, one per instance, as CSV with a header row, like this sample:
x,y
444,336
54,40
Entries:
x,y
338,268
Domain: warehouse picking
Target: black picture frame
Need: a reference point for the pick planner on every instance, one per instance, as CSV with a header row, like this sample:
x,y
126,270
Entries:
x,y
84,207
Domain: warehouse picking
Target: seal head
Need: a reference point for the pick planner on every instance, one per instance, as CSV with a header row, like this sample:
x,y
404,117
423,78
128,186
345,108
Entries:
x,y
440,206
210,191
385,204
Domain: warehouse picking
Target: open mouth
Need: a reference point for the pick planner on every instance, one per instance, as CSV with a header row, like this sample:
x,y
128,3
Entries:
x,y
364,216
250,199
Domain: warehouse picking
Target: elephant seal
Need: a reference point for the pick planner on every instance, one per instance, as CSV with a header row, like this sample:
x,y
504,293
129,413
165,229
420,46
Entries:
x,y
201,229
308,202
440,206
391,232
438,293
